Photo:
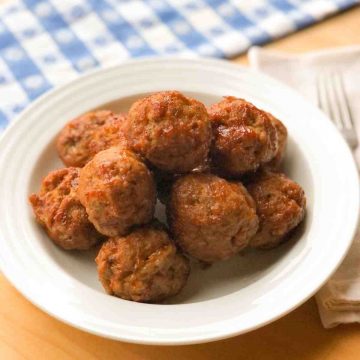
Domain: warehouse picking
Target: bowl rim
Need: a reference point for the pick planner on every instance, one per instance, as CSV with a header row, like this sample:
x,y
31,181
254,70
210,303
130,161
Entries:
x,y
226,332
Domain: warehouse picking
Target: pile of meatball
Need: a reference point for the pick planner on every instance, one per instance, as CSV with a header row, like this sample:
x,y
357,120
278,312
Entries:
x,y
216,169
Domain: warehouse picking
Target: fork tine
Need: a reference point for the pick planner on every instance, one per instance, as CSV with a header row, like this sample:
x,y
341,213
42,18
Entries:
x,y
347,126
321,98
343,101
333,101
325,100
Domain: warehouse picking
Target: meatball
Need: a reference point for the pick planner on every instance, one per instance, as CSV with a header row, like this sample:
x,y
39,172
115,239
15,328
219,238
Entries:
x,y
117,190
109,135
210,218
280,204
244,137
58,209
76,143
170,130
281,130
143,266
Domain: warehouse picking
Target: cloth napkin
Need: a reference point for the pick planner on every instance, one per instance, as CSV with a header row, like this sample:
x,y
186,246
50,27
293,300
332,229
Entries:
x,y
46,43
339,300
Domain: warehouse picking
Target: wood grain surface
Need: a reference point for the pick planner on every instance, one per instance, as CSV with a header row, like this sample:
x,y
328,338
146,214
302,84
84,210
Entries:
x,y
28,333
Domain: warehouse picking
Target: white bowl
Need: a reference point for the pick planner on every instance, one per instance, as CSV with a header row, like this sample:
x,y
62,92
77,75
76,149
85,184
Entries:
x,y
227,299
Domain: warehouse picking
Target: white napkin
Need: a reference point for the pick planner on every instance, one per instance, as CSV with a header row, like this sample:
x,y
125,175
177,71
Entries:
x,y
339,300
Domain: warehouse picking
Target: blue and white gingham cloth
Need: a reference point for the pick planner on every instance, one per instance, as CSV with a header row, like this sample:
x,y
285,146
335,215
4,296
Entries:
x,y
46,43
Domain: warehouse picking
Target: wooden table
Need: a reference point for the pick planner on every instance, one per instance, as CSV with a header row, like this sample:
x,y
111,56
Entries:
x,y
27,332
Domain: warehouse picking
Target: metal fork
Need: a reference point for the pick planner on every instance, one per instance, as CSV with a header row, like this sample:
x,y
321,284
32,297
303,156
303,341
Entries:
x,y
333,101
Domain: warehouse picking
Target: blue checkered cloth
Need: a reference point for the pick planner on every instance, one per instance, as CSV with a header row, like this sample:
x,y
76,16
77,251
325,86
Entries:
x,y
46,43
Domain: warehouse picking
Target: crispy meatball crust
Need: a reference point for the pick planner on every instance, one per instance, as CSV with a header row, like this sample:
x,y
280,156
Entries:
x,y
109,135
211,219
281,130
58,209
76,143
280,204
117,190
244,137
143,266
170,130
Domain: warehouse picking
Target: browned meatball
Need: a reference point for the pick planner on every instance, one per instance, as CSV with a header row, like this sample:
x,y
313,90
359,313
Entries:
x,y
281,130
60,212
143,266
280,204
109,135
211,219
76,143
170,130
117,190
244,136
